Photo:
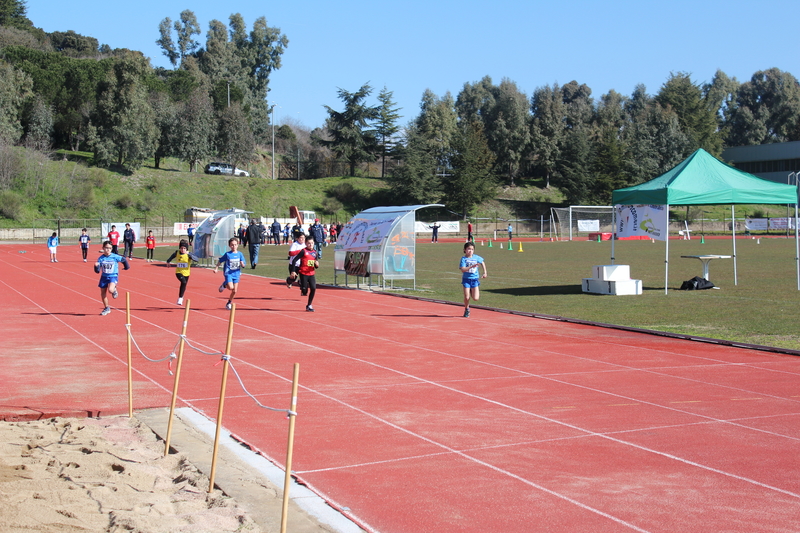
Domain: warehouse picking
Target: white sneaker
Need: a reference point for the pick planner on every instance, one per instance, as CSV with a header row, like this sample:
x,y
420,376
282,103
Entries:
x,y
114,294
228,306
180,301
84,260
222,288
105,311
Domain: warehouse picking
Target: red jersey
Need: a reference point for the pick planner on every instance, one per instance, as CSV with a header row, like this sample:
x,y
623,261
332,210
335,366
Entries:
x,y
307,259
151,242
113,236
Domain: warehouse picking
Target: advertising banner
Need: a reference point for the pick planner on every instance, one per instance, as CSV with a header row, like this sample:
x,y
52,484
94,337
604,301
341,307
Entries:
x,y
588,225
642,221
364,235
444,227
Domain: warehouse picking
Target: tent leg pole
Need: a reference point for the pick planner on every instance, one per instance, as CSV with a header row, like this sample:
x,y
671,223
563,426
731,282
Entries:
x,y
613,231
666,257
733,236
797,246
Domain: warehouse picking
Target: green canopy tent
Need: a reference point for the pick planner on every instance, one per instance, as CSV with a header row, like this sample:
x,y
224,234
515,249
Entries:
x,y
701,179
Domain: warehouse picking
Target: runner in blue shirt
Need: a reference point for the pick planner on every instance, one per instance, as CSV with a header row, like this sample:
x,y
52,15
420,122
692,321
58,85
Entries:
x,y
107,266
84,239
233,261
470,279
52,245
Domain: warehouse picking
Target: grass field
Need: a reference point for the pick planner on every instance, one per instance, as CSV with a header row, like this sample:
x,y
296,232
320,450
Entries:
x,y
545,278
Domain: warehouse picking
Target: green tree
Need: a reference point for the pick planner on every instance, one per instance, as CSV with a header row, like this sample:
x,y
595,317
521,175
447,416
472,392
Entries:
x,y
166,42
123,130
165,112
547,128
39,131
437,127
696,116
13,13
15,89
767,110
350,135
508,130
720,96
235,140
415,180
471,181
386,125
195,129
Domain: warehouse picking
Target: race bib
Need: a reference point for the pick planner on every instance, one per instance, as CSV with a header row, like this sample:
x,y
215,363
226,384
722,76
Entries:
x,y
234,264
182,265
108,267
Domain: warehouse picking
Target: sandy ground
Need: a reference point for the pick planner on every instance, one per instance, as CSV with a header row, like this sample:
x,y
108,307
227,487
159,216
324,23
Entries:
x,y
111,475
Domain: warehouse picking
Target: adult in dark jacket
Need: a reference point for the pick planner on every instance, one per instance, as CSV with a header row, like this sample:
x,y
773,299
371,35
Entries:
x,y
318,232
255,236
128,238
276,232
241,233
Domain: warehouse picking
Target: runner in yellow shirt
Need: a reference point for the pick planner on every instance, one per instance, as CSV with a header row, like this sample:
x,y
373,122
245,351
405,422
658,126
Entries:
x,y
183,263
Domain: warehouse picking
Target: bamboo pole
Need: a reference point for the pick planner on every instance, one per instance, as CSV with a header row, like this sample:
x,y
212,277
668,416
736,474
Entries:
x,y
225,366
130,364
177,377
289,449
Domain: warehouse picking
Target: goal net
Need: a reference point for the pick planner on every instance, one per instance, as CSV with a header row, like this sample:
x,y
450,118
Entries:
x,y
578,221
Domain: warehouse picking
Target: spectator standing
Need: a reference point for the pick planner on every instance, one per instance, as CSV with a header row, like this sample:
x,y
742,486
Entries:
x,y
84,240
276,232
128,238
510,231
242,234
318,232
113,238
469,232
150,244
190,232
52,246
286,230
255,238
333,233
435,234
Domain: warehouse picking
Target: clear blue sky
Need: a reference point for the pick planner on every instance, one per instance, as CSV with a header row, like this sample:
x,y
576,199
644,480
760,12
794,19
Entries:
x,y
441,44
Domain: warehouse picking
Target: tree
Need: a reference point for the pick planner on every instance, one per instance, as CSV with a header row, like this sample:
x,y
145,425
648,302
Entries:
x,y
508,131
415,180
15,89
767,110
40,125
472,180
696,116
166,42
186,28
12,13
547,127
123,129
165,113
437,127
386,125
235,140
195,129
350,136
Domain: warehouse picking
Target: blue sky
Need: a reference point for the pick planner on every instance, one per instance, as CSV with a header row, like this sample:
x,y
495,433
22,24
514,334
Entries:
x,y
441,44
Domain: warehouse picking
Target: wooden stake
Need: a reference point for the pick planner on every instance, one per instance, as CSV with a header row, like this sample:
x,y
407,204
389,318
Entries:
x,y
289,449
130,365
177,377
225,366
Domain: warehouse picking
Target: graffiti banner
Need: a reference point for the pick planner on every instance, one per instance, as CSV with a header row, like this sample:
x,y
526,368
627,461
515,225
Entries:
x,y
642,220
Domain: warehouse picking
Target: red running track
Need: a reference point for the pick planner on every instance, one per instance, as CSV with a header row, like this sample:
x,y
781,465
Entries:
x,y
414,419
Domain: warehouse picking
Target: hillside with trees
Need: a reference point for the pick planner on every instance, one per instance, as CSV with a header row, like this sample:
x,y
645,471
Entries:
x,y
63,95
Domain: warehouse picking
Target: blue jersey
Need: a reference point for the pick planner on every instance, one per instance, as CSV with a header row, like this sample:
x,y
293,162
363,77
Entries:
x,y
52,242
109,264
473,263
84,240
234,261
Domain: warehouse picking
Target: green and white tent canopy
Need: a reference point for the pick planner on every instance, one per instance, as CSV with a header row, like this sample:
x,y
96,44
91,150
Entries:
x,y
701,179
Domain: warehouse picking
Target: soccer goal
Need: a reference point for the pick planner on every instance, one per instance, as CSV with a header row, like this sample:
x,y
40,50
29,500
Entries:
x,y
579,220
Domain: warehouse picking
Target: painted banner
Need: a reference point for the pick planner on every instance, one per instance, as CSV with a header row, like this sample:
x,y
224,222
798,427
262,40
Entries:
x,y
364,235
642,221
444,227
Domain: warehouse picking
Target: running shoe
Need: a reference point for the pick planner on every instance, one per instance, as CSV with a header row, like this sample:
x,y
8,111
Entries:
x,y
84,260
180,301
222,288
114,294
466,313
309,309
106,311
55,260
303,292
228,306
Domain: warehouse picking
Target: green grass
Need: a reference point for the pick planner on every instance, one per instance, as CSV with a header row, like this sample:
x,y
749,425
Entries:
x,y
545,278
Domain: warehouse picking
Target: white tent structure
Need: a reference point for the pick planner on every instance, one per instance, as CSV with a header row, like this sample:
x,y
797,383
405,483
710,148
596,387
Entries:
x,y
212,235
379,241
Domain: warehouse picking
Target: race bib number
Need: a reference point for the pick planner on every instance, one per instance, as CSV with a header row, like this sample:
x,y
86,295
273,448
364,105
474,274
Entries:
x,y
234,264
310,262
108,267
182,265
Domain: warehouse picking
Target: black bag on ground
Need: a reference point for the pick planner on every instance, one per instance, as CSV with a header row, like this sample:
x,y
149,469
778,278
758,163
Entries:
x,y
696,284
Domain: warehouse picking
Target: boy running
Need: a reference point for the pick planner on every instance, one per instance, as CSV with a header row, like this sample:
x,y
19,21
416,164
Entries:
x,y
233,261
308,264
183,263
84,239
297,246
107,266
52,245
470,279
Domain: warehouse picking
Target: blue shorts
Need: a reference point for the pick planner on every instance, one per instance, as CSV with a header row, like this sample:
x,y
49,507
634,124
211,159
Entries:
x,y
471,283
105,279
232,277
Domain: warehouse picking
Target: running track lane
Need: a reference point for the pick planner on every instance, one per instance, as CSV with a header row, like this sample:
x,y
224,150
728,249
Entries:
x,y
414,419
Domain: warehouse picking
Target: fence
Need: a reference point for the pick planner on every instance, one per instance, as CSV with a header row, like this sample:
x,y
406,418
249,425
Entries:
x,y
69,229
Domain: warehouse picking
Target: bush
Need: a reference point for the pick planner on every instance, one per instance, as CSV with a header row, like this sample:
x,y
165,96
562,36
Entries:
x,y
11,205
124,202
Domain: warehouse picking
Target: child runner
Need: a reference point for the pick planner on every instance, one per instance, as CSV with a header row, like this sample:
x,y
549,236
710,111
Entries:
x,y
183,263
113,237
233,261
297,246
469,278
308,264
150,243
107,266
52,245
84,239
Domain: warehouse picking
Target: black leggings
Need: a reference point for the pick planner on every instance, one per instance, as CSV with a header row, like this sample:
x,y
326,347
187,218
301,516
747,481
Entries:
x,y
184,280
150,253
85,252
308,283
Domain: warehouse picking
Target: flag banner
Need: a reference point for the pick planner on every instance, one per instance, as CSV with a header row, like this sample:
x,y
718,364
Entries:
x,y
642,220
